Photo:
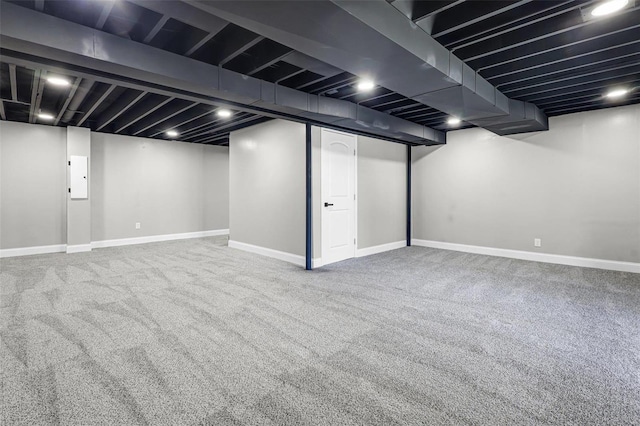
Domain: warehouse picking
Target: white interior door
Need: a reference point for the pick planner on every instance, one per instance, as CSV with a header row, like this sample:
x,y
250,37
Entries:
x,y
338,196
78,177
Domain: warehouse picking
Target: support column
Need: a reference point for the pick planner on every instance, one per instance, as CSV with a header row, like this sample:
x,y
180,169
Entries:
x,y
408,195
78,177
309,222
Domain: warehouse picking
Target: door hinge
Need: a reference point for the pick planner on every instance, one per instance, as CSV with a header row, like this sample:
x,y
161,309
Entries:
x,y
354,241
354,152
354,197
69,162
69,190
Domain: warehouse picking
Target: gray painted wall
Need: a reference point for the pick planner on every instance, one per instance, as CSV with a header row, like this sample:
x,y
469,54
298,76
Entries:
x,y
382,192
168,187
267,186
32,185
79,210
577,187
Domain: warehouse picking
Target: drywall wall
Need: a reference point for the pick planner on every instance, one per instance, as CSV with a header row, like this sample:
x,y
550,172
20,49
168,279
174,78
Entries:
x,y
168,187
576,187
268,186
382,192
33,183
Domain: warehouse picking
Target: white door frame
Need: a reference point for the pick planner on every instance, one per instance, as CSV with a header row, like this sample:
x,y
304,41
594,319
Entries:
x,y
323,131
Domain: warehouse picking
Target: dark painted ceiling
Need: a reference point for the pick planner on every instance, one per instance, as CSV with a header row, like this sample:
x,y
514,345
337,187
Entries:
x,y
549,53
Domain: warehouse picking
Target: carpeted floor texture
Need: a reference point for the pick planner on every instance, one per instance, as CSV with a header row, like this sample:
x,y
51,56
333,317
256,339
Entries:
x,y
193,332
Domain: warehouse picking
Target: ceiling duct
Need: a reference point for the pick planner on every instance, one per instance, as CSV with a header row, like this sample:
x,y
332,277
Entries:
x,y
375,40
104,57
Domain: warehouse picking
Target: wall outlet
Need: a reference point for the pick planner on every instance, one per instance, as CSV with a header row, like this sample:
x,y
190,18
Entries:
x,y
137,225
537,242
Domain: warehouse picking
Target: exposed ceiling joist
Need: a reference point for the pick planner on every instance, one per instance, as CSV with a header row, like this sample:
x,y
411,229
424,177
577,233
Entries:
x,y
573,73
417,109
183,122
137,117
424,18
199,44
630,81
572,61
104,15
577,81
466,22
155,121
240,50
156,29
587,106
189,15
520,22
96,104
214,140
380,102
558,52
270,62
201,127
525,41
424,115
288,76
184,13
13,82
370,96
83,90
333,85
36,89
119,107
220,128
65,105
312,64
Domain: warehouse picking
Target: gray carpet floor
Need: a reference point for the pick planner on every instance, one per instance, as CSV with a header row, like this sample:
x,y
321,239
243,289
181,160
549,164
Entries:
x,y
193,332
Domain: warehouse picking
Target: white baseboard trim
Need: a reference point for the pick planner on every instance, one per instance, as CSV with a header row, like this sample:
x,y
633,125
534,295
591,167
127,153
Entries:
x,y
380,248
276,254
157,238
78,248
584,262
27,251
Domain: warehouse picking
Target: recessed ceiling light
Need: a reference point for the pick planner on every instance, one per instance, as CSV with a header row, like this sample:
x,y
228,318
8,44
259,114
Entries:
x,y
365,85
609,7
453,121
58,81
171,133
617,93
45,116
224,113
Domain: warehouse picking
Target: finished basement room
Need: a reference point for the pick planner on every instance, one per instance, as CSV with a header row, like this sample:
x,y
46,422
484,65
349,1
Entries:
x,y
323,212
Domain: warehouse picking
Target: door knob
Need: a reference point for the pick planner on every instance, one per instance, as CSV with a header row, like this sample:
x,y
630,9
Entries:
x,y
328,204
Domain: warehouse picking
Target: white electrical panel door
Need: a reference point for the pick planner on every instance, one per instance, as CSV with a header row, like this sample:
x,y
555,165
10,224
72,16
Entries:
x,y
78,177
